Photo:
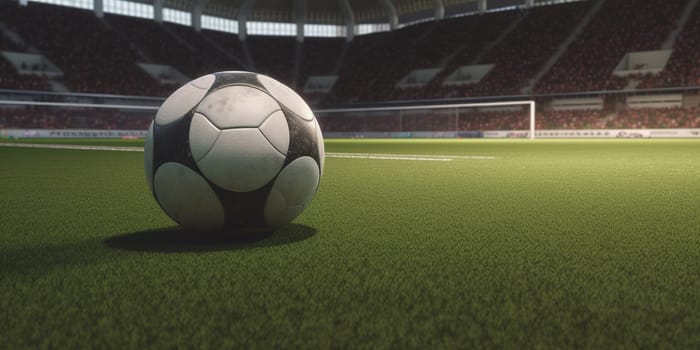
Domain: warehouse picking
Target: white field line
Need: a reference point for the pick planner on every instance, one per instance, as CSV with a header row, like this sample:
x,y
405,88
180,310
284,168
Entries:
x,y
403,156
424,157
385,156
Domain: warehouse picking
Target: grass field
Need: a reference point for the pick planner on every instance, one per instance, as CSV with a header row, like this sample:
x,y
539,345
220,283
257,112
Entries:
x,y
550,244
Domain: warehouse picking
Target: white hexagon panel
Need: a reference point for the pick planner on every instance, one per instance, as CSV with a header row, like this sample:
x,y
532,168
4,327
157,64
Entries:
x,y
187,198
241,160
183,100
292,191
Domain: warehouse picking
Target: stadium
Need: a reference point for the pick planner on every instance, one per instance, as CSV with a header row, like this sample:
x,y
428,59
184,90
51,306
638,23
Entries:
x,y
497,174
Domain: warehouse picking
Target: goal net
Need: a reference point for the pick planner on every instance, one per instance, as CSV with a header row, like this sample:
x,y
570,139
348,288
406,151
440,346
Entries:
x,y
487,119
512,119
81,119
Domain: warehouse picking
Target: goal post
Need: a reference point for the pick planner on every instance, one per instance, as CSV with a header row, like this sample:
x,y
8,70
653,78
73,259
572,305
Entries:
x,y
394,116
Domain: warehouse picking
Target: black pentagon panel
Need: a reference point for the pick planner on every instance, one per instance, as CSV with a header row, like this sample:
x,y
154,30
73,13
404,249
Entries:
x,y
171,144
244,211
302,138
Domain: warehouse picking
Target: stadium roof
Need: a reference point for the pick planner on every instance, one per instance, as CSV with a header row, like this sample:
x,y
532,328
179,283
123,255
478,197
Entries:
x,y
331,11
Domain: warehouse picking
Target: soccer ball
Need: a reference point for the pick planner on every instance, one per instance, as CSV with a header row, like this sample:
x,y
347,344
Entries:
x,y
234,152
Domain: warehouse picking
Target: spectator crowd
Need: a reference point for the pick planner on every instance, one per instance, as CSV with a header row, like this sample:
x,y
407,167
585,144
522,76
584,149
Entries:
x,y
101,56
619,27
72,118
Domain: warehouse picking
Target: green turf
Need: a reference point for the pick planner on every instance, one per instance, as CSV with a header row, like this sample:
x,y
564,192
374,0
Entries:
x,y
553,244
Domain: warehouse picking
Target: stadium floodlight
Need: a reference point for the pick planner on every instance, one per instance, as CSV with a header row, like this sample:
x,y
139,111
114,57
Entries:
x,y
415,109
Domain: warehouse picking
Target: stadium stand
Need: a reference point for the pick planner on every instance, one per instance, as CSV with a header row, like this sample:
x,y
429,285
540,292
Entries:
x,y
343,124
522,53
518,42
207,56
387,57
366,51
73,118
158,45
683,68
467,50
9,45
102,63
319,56
620,27
657,118
9,79
274,56
226,43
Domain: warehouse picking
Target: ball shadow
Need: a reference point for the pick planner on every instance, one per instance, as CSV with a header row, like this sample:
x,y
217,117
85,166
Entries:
x,y
179,240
